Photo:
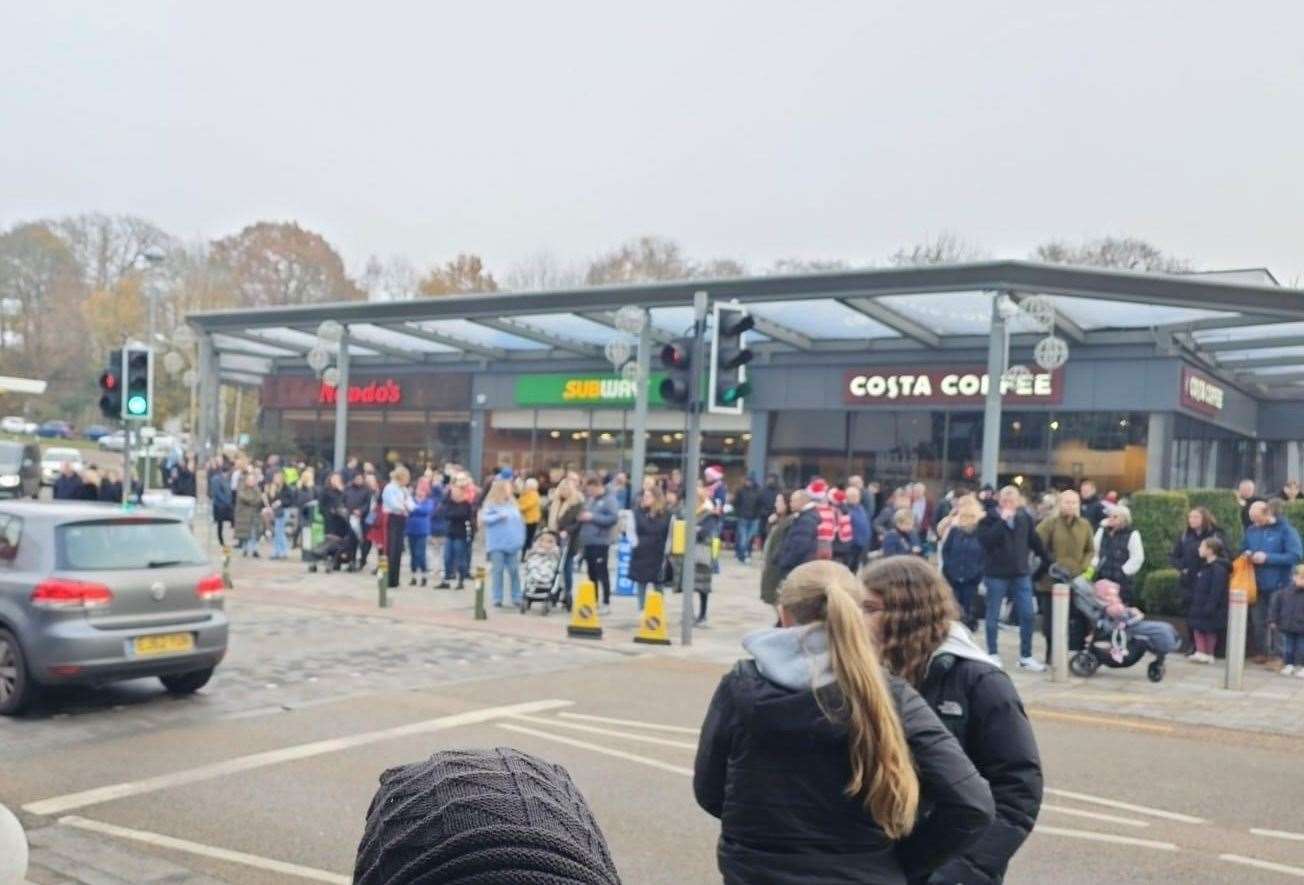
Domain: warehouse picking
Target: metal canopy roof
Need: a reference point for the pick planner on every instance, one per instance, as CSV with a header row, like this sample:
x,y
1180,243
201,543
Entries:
x,y
1238,324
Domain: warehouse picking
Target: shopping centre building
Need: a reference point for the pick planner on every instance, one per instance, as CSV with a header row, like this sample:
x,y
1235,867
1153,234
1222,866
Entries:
x,y
1170,380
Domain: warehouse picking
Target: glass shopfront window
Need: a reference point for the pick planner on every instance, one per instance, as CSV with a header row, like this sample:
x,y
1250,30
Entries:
x,y
1206,456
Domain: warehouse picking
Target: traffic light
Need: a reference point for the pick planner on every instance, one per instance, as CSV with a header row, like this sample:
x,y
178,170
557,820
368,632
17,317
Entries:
x,y
728,385
138,383
676,387
111,387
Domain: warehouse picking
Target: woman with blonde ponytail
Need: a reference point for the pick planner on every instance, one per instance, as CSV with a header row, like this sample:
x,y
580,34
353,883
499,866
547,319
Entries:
x,y
817,762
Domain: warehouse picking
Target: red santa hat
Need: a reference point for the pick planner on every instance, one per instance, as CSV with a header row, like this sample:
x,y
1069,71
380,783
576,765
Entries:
x,y
818,490
714,473
839,496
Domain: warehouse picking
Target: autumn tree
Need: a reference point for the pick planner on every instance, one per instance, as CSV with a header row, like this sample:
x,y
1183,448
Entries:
x,y
651,258
464,274
275,263
1123,253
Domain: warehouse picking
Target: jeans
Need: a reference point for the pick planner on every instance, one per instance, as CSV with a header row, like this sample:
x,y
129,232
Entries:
x,y
746,531
965,593
280,543
417,545
457,559
1259,624
509,561
1020,592
1292,649
249,545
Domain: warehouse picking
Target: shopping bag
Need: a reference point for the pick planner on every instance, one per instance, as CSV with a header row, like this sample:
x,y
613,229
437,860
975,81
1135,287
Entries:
x,y
1243,578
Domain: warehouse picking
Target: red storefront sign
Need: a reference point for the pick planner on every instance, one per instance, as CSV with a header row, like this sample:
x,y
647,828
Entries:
x,y
377,393
922,385
1200,393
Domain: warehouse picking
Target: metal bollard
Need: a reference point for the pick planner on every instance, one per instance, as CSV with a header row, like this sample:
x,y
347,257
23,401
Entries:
x,y
1059,630
382,580
226,568
480,613
1237,618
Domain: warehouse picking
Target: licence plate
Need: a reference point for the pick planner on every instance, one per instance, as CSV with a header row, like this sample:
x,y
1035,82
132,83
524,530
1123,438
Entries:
x,y
163,644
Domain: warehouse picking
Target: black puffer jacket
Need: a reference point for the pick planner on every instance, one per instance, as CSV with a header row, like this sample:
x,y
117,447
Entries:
x,y
773,768
1185,557
800,542
1006,548
979,705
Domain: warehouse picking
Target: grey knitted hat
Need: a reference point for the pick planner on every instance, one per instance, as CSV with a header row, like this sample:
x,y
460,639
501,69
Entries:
x,y
482,817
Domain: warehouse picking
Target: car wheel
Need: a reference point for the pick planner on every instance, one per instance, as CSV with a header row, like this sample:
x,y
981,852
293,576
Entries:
x,y
186,683
16,689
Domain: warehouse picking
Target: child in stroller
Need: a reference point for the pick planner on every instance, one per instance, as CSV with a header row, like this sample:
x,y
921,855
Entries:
x,y
543,578
1109,633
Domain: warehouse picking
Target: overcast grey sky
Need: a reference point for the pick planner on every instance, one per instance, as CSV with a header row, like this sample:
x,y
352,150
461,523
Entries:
x,y
756,130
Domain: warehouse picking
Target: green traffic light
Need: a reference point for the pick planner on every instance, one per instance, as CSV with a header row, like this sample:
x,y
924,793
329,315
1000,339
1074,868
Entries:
x,y
731,395
137,405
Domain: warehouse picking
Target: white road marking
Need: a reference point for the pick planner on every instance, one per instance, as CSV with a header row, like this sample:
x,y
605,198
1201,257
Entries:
x,y
248,860
1285,869
1126,806
1093,836
611,732
1095,815
634,723
1278,834
72,801
597,748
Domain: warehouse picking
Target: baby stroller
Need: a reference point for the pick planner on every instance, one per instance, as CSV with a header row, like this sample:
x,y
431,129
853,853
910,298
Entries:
x,y
334,552
1109,634
542,582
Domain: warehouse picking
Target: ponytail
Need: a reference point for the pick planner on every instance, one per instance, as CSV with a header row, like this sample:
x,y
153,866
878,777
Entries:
x,y
882,770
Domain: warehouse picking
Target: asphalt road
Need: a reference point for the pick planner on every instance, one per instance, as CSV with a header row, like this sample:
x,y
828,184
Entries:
x,y
103,780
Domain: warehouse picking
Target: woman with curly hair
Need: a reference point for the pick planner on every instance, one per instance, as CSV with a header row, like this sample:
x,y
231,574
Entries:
x,y
913,617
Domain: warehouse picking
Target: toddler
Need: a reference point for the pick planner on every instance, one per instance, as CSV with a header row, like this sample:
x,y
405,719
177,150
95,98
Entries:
x,y
1286,616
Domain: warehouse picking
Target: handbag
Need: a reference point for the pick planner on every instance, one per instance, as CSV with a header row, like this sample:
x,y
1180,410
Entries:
x,y
1243,578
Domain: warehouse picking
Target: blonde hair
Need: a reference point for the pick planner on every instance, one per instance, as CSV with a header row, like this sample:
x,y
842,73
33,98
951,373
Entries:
x,y
882,771
904,520
968,512
499,493
400,475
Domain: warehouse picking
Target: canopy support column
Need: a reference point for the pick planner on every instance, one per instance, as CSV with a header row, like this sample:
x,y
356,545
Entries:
x,y
342,402
639,458
997,355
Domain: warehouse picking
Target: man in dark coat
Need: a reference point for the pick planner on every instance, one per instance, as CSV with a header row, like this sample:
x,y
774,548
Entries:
x,y
1093,508
1008,537
1246,497
747,512
67,484
799,544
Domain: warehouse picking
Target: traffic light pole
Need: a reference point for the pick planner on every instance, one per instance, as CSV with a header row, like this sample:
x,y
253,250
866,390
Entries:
x,y
692,457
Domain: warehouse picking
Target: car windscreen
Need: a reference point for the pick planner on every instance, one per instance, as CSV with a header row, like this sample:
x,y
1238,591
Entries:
x,y
11,454
129,543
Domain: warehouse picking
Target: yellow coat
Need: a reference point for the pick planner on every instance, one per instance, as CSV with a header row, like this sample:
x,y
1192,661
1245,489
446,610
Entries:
x,y
531,511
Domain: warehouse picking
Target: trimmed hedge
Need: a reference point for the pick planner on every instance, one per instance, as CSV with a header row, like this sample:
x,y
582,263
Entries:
x,y
1159,593
1226,510
1295,514
1160,517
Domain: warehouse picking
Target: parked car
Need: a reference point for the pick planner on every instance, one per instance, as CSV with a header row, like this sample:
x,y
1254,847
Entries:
x,y
91,595
95,431
112,442
13,424
55,429
52,461
20,470
30,428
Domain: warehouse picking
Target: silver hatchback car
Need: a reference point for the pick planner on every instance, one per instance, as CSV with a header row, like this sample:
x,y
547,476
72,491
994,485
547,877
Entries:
x,y
91,594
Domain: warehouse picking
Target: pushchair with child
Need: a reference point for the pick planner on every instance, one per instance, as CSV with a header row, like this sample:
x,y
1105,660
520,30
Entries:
x,y
543,575
1107,633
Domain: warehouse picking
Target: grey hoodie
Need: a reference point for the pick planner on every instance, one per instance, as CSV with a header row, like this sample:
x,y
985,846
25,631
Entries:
x,y
796,658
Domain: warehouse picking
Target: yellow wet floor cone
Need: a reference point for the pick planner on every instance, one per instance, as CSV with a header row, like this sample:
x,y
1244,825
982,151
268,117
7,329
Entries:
x,y
652,625
584,613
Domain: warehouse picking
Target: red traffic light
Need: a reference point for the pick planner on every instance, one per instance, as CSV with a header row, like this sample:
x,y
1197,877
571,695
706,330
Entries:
x,y
109,380
674,356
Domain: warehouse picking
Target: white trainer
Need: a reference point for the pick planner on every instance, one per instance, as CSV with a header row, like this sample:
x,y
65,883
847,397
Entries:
x,y
1288,670
1032,664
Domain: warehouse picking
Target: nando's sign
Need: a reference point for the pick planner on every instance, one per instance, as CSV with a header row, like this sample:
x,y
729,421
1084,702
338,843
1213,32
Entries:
x,y
964,385
387,392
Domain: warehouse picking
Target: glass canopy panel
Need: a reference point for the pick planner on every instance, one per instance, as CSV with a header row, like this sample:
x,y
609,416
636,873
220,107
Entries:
x,y
1261,353
1249,333
1098,313
482,335
223,342
679,321
364,332
567,325
302,339
238,362
822,319
1268,371
952,313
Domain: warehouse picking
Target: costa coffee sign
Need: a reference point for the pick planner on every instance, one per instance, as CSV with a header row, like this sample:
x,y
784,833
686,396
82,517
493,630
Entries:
x,y
910,385
1200,393
378,393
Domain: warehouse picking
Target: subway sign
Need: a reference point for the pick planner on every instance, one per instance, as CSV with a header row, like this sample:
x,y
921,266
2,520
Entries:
x,y
921,385
584,390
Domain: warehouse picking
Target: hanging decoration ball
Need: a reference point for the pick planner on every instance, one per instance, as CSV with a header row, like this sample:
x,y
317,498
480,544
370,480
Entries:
x,y
190,378
617,352
629,371
173,362
318,359
183,337
1040,311
630,319
331,377
330,331
1051,352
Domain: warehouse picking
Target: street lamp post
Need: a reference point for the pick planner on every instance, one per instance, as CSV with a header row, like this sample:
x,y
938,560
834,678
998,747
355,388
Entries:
x,y
154,257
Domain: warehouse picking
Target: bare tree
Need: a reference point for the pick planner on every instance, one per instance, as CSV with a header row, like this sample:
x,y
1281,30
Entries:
x,y
945,248
393,279
540,271
805,265
1124,253
109,247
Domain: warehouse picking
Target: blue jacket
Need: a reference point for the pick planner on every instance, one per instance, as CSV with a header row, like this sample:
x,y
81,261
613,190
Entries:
x,y
897,544
962,556
438,524
418,523
859,527
597,531
504,528
1281,543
